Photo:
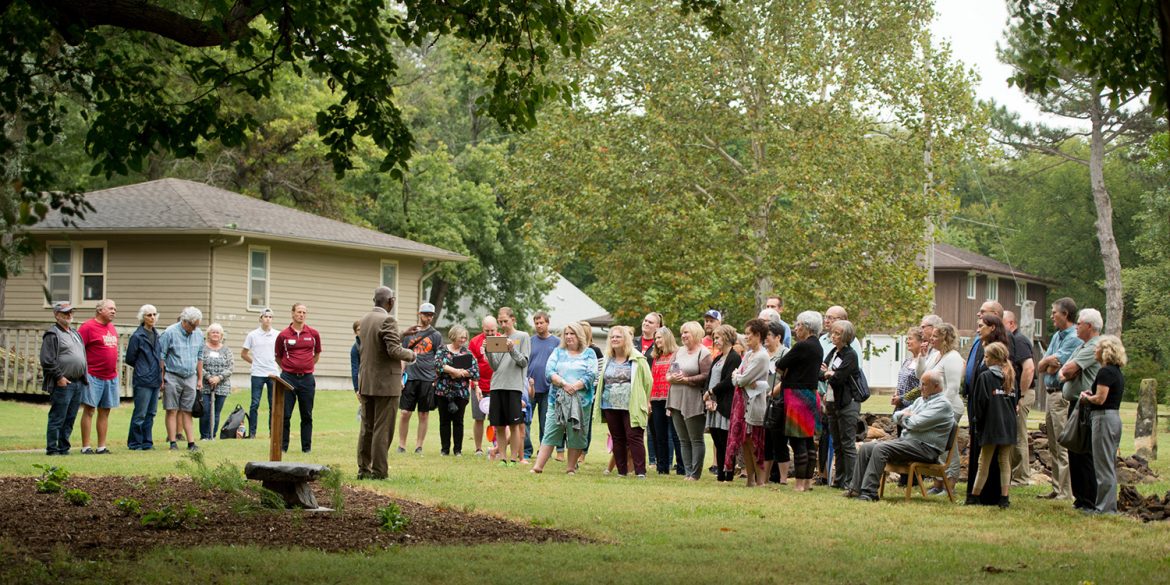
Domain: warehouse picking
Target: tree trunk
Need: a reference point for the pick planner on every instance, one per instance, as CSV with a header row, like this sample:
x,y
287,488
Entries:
x,y
1114,302
438,294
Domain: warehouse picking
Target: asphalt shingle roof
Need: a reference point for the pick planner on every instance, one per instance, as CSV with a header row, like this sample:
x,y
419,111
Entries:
x,y
187,206
948,257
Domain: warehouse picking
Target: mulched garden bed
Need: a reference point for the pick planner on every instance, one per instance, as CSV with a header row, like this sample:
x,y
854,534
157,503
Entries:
x,y
34,524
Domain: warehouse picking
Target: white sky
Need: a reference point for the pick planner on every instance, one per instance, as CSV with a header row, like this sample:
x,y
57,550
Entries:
x,y
973,28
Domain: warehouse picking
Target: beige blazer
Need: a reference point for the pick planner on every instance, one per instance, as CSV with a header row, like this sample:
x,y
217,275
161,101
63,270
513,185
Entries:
x,y
382,354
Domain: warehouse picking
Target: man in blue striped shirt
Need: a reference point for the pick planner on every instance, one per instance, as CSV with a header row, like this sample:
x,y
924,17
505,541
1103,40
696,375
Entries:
x,y
181,348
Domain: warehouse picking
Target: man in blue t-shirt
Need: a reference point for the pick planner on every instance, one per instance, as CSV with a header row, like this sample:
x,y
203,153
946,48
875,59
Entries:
x,y
543,344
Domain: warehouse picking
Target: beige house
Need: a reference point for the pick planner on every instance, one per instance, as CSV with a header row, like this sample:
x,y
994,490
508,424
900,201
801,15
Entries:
x,y
174,243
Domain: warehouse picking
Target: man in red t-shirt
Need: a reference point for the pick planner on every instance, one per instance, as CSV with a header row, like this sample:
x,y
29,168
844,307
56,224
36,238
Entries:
x,y
490,327
101,391
298,347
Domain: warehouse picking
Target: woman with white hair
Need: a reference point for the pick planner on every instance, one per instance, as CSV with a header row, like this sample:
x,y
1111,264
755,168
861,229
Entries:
x,y
1104,399
457,374
142,355
217,380
799,371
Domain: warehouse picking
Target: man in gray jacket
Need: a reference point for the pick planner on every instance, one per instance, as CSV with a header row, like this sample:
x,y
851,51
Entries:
x,y
927,423
63,361
509,380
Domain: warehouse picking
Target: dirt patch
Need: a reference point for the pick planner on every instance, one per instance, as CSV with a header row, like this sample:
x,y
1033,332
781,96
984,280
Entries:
x,y
34,524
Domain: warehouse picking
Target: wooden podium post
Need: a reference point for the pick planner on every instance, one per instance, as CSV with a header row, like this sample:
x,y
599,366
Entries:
x,y
279,387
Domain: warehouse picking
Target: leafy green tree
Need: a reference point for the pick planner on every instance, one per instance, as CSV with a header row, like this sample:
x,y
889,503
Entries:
x,y
1116,120
118,61
784,157
1148,284
1124,45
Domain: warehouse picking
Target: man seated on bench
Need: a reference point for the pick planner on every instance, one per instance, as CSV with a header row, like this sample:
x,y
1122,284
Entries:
x,y
927,423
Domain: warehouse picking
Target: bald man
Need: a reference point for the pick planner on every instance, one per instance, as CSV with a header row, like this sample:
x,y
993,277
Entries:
x,y
927,425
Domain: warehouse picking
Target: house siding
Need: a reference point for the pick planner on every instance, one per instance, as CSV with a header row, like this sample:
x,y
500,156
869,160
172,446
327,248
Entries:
x,y
211,274
337,285
170,273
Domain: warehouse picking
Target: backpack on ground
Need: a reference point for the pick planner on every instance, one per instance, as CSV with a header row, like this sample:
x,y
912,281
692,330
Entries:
x,y
233,426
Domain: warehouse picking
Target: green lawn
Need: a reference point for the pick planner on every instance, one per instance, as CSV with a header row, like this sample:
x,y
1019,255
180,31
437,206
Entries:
x,y
653,531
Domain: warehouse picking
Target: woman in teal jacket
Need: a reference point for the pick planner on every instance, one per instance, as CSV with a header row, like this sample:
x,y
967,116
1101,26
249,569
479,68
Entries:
x,y
623,398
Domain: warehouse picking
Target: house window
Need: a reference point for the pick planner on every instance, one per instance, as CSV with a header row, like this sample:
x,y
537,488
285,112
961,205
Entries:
x,y
77,273
60,273
258,278
1021,292
971,282
993,288
390,274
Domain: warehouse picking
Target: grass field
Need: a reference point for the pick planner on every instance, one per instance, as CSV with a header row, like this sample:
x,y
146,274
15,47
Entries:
x,y
661,530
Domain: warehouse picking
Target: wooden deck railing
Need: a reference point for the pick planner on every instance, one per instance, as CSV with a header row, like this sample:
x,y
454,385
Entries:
x,y
20,360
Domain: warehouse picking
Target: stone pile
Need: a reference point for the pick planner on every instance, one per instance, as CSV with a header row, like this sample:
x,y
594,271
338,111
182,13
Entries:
x,y
1149,508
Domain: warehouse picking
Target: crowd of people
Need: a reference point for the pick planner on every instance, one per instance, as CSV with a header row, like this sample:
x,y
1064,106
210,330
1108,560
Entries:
x,y
780,403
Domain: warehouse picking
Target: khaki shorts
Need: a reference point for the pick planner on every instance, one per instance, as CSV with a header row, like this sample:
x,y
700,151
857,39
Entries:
x,y
179,392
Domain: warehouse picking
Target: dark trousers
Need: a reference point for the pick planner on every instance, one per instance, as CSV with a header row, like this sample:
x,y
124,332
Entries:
x,y
63,404
1081,476
208,424
719,437
822,454
304,388
803,458
627,441
141,435
843,428
661,425
451,424
258,385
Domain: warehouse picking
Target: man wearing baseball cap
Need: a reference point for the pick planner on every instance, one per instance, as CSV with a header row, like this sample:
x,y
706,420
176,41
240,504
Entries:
x,y
63,361
419,392
711,319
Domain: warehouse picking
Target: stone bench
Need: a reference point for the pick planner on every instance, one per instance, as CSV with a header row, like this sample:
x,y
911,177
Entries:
x,y
290,480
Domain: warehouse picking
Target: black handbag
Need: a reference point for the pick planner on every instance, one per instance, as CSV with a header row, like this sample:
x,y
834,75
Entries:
x,y
197,408
774,415
1078,431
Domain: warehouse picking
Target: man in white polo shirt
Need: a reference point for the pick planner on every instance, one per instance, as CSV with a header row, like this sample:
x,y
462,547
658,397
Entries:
x,y
260,351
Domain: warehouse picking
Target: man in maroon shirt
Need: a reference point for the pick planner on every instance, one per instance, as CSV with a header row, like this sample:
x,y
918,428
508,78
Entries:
x,y
101,391
298,347
490,328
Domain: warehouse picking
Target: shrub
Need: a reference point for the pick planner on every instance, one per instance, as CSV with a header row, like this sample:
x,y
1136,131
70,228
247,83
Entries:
x,y
331,480
391,518
78,497
52,479
170,518
128,506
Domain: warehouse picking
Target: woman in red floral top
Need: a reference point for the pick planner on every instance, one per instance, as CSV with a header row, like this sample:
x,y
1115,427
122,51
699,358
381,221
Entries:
x,y
661,357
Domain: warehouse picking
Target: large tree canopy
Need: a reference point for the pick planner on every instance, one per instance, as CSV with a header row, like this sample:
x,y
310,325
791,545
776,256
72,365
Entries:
x,y
160,76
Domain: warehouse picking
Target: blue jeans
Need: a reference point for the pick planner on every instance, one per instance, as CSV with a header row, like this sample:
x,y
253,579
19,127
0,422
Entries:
x,y
538,408
304,387
141,435
209,424
64,402
258,384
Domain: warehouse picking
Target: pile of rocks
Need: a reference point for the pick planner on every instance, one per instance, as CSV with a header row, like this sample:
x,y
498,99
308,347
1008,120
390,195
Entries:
x,y
1149,508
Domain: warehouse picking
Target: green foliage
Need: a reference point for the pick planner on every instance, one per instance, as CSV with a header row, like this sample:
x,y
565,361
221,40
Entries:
x,y
1119,43
77,497
128,506
712,171
332,480
164,80
390,518
226,476
171,517
1148,283
52,478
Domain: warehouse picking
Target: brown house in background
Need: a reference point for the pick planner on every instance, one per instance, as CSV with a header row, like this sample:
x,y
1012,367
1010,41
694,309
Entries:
x,y
964,280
